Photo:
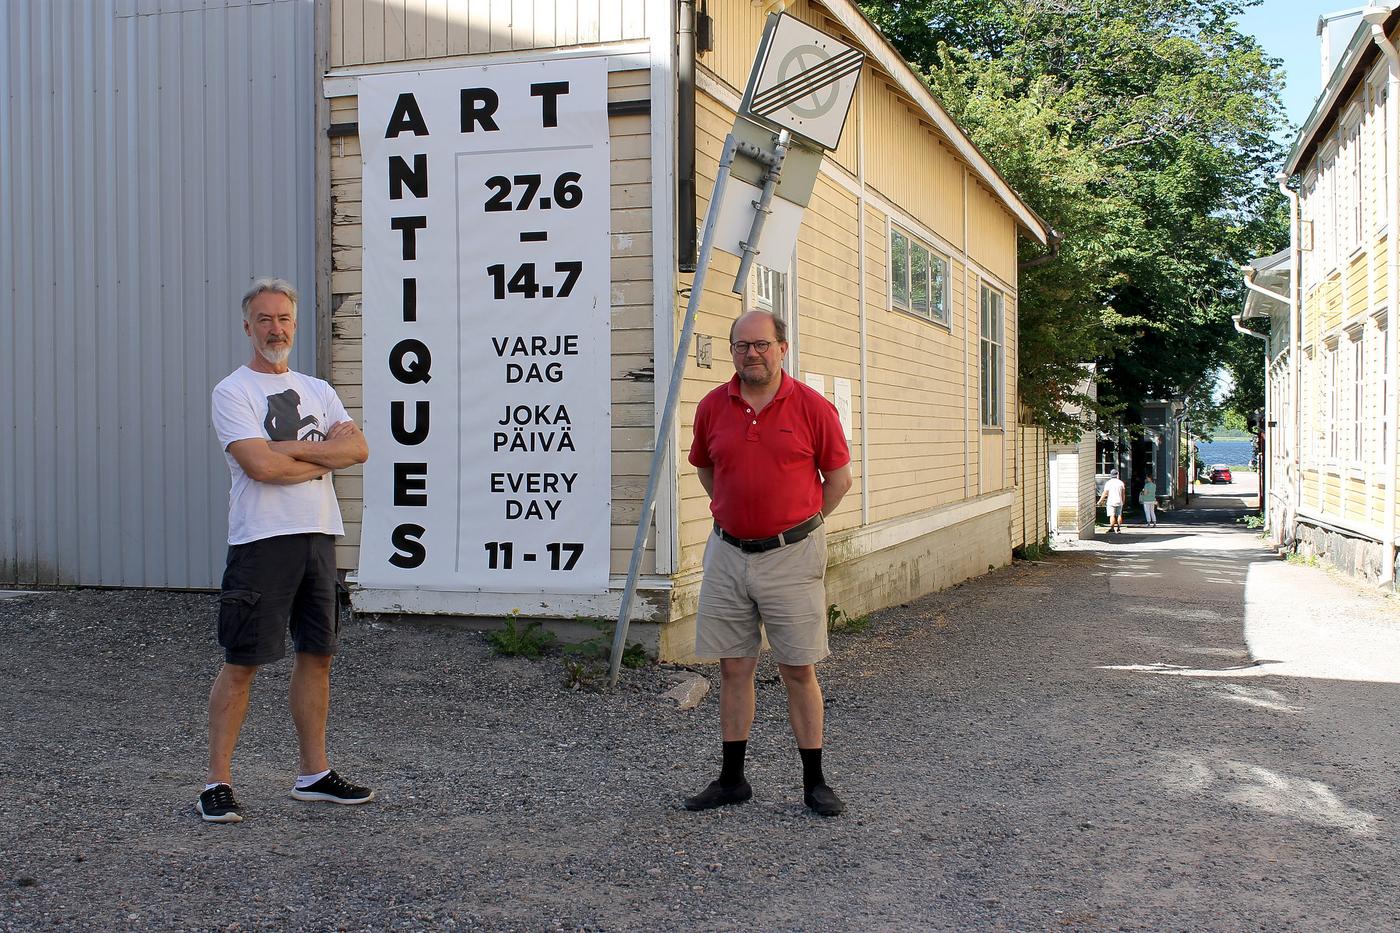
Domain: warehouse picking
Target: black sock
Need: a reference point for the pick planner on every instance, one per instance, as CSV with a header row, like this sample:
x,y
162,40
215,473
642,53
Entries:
x,y
811,767
732,772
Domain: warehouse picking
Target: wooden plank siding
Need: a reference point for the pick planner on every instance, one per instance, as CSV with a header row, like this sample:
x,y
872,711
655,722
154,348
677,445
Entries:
x,y
632,324
376,31
1030,520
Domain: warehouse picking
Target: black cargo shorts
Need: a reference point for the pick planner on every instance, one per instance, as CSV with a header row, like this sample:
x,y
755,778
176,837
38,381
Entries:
x,y
275,585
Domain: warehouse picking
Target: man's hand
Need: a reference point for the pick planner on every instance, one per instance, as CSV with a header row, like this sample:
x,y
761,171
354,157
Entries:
x,y
266,465
344,446
835,485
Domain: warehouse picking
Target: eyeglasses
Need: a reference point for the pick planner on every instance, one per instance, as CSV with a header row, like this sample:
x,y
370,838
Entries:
x,y
742,346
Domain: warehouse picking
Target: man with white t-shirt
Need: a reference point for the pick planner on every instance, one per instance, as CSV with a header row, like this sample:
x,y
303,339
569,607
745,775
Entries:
x,y
282,434
1115,493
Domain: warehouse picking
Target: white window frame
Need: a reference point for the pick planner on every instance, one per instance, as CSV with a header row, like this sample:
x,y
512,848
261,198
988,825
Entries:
x,y
1327,228
1333,397
1311,257
939,309
1352,206
991,356
1382,410
1381,160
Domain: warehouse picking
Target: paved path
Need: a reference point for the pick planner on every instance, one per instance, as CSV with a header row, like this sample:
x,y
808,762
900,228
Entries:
x,y
1164,729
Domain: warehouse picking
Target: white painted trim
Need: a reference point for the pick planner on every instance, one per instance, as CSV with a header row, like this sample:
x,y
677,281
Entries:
x,y
622,56
849,16
416,601
864,319
663,65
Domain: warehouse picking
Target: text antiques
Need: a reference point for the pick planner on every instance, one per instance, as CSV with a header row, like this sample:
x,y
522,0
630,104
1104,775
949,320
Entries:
x,y
486,328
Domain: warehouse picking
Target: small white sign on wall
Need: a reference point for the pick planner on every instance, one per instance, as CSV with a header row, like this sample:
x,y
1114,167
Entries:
x,y
842,389
816,381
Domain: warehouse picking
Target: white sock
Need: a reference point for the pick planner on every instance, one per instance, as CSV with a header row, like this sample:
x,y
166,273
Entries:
x,y
216,784
306,780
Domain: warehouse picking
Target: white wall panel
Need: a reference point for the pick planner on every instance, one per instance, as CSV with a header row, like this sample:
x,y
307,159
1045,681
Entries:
x,y
157,156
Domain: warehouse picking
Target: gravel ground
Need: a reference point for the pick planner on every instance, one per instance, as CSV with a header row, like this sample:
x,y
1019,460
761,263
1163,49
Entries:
x,y
998,776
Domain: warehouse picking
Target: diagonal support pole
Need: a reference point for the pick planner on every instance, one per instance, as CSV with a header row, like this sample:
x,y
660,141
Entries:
x,y
661,449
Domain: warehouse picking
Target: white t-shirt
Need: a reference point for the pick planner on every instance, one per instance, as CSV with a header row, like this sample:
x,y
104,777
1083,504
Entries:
x,y
285,407
1117,492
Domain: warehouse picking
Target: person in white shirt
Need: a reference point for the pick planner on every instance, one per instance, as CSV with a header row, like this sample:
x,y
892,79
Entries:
x,y
1114,495
282,434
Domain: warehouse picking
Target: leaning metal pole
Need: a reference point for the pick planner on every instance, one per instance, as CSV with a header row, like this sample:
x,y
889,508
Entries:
x,y
774,161
673,394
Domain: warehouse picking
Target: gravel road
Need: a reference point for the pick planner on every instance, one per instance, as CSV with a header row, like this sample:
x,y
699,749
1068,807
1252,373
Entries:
x,y
1012,753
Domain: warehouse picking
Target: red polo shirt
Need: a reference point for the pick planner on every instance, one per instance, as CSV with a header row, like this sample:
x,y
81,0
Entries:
x,y
766,464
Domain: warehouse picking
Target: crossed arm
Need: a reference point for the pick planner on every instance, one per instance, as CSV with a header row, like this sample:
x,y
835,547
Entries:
x,y
286,463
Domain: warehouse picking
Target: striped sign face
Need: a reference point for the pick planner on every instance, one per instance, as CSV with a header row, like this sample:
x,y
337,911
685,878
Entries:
x,y
802,80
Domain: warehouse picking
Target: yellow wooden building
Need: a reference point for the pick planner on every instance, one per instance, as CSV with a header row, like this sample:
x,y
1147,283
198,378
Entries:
x,y
1331,419
901,297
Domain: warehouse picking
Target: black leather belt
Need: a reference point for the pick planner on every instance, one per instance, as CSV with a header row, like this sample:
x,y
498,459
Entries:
x,y
757,545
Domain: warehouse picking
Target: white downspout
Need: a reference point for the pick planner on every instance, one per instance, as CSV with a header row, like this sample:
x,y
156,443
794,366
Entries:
x,y
1295,350
864,324
1377,17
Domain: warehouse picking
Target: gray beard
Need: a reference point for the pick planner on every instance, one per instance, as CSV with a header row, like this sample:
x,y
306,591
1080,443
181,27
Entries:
x,y
276,357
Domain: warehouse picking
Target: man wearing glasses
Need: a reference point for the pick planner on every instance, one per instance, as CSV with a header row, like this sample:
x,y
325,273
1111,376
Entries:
x,y
773,458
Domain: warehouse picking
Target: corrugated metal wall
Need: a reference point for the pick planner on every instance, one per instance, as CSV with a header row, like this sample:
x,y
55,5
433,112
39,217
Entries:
x,y
155,155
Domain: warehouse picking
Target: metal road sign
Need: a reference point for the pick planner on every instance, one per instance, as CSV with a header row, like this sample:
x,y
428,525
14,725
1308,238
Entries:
x,y
802,81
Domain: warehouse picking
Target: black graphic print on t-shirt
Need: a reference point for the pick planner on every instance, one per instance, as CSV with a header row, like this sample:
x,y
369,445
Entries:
x,y
284,421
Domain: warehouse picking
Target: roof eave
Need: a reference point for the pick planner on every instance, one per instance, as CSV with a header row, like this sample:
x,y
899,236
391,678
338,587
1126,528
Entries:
x,y
865,32
1359,54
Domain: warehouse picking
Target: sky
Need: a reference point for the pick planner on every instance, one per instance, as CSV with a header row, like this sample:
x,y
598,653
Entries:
x,y
1287,29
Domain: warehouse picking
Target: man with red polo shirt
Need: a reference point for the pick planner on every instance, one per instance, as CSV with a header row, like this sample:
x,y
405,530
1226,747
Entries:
x,y
773,458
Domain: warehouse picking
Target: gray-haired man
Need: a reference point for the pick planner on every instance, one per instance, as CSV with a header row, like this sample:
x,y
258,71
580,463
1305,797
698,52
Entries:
x,y
282,433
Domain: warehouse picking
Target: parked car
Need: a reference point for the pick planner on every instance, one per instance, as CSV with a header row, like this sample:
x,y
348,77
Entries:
x,y
1220,473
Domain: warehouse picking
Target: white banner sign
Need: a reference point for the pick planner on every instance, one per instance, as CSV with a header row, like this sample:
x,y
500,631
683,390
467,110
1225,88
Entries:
x,y
486,328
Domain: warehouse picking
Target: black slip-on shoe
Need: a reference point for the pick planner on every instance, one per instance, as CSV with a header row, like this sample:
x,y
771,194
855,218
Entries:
x,y
822,800
218,805
717,795
335,789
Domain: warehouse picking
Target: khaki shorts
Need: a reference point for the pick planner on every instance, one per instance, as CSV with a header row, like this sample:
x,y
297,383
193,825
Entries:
x,y
781,590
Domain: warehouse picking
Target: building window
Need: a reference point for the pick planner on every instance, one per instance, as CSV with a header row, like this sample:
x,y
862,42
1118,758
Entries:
x,y
1381,168
1330,232
918,277
768,291
1383,412
1358,396
1333,404
992,367
1353,206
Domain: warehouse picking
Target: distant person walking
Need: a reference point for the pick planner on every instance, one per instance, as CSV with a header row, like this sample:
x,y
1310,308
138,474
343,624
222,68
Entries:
x,y
1114,495
282,434
1148,498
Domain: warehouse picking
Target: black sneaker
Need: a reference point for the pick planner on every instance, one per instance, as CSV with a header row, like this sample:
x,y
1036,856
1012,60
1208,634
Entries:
x,y
822,800
217,805
336,789
718,795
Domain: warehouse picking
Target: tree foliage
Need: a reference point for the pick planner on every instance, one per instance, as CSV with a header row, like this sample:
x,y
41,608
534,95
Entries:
x,y
1141,132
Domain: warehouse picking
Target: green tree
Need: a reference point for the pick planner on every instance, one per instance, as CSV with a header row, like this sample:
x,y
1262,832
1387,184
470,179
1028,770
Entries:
x,y
1142,133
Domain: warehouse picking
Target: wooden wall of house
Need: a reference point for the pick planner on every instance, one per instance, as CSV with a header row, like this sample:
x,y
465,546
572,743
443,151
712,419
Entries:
x,y
925,447
1030,517
373,31
1346,319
